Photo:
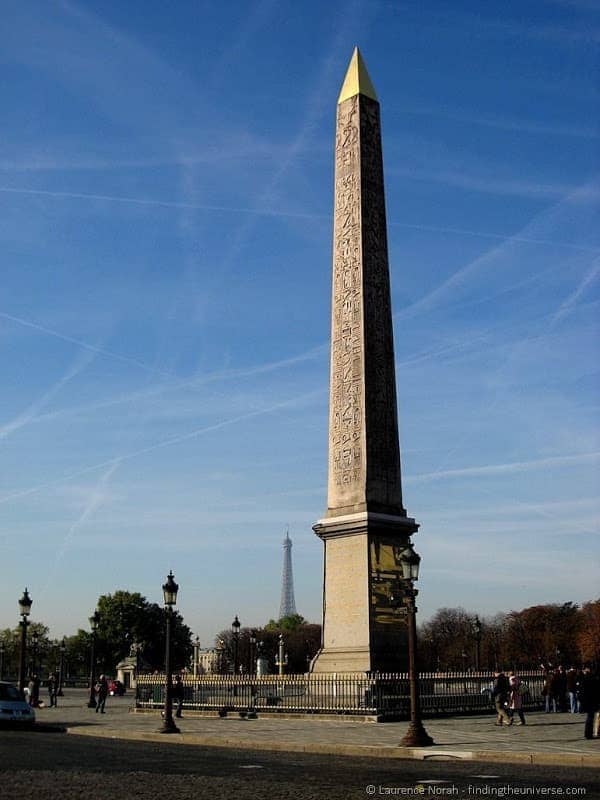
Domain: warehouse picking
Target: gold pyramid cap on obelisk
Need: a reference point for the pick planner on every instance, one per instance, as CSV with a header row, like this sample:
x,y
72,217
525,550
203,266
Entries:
x,y
357,79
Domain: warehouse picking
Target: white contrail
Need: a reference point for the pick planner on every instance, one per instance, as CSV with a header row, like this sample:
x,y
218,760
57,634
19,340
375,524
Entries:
x,y
32,412
191,383
95,500
142,201
515,466
98,350
165,443
568,304
503,237
547,219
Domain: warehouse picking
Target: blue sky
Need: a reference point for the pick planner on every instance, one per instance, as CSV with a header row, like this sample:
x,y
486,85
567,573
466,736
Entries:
x,y
166,197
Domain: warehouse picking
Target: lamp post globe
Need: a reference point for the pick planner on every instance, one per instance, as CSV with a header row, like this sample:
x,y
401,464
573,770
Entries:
x,y
94,620
25,603
416,736
170,589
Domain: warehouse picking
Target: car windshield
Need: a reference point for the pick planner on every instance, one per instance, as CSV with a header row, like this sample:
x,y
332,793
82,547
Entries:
x,y
8,692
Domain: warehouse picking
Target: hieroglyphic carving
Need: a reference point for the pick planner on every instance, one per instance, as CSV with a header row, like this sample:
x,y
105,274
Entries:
x,y
346,466
383,454
364,461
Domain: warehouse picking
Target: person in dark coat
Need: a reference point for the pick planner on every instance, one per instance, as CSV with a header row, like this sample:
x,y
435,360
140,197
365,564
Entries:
x,y
101,694
590,700
34,691
500,694
53,689
177,695
555,689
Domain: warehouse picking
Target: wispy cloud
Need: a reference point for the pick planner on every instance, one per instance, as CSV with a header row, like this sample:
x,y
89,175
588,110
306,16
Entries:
x,y
505,123
490,184
316,106
547,220
191,383
296,400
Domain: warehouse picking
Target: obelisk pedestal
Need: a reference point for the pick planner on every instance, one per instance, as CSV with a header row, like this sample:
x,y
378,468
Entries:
x,y
366,526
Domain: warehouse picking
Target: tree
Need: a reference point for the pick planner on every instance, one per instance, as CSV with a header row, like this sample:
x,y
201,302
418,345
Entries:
x,y
289,623
447,640
588,639
77,654
11,637
127,617
302,640
543,634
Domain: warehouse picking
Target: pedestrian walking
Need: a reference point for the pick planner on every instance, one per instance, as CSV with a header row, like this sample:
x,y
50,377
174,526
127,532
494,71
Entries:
x,y
515,701
572,681
555,691
34,691
177,693
53,689
590,700
500,697
101,694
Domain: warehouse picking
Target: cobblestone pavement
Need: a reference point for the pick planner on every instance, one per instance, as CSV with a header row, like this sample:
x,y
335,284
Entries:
x,y
41,765
546,738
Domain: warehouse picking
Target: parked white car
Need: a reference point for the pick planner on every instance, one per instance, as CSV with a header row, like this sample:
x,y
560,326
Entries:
x,y
14,709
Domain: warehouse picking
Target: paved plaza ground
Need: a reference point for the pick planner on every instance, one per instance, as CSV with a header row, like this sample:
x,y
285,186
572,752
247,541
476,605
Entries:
x,y
545,739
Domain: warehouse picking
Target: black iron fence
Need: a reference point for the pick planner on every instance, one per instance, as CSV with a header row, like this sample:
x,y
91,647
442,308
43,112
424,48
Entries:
x,y
381,695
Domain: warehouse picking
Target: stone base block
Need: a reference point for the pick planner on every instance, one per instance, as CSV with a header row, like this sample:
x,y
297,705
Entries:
x,y
351,659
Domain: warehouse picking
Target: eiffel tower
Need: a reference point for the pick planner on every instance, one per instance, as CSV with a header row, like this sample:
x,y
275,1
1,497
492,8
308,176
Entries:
x,y
287,606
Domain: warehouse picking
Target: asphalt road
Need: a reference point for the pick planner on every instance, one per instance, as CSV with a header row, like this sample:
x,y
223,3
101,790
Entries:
x,y
59,766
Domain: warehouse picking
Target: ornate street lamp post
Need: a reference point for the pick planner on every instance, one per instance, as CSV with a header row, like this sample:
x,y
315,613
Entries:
x,y
170,589
34,652
235,631
252,642
477,632
416,736
220,657
61,674
94,620
282,659
196,656
25,610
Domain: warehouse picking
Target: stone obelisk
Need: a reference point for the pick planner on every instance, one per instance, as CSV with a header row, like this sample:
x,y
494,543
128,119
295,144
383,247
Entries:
x,y
366,526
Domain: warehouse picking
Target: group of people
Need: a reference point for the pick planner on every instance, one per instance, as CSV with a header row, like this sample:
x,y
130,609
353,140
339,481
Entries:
x,y
507,694
33,689
564,690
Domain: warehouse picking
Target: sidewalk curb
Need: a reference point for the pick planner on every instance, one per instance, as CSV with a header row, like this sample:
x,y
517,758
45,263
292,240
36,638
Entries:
x,y
367,751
